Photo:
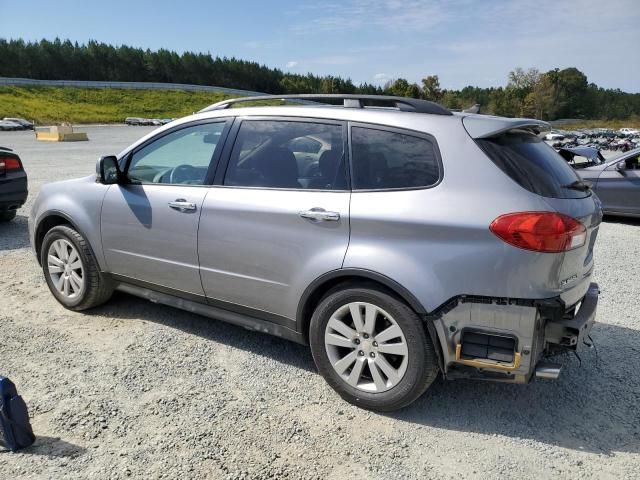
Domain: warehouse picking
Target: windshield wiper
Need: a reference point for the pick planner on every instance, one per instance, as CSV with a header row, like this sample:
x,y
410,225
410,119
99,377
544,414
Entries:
x,y
580,185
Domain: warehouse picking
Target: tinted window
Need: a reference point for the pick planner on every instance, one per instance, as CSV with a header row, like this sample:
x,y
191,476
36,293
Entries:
x,y
383,159
282,154
533,164
180,157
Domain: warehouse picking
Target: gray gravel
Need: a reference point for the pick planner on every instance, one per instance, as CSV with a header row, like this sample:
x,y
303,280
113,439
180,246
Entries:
x,y
133,389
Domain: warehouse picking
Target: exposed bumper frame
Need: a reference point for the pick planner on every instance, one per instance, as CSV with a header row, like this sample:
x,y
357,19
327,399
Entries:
x,y
543,328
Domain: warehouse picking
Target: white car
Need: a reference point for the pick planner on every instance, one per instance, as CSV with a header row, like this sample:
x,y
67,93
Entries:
x,y
629,131
554,135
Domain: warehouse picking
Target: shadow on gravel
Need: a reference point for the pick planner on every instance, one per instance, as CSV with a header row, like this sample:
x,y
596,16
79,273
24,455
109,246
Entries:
x,y
53,447
14,234
591,408
132,308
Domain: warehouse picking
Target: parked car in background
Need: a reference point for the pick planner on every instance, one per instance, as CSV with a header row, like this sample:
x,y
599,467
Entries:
x,y
629,131
143,121
399,242
554,135
616,182
26,124
582,157
134,121
13,184
7,125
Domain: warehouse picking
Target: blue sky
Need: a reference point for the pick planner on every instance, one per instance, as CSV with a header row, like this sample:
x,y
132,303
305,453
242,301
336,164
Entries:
x,y
465,42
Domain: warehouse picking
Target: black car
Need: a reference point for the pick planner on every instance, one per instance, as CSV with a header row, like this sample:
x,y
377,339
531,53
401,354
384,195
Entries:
x,y
13,184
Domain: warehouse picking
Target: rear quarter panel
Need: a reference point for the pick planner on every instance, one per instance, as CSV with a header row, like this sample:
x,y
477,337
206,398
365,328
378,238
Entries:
x,y
436,241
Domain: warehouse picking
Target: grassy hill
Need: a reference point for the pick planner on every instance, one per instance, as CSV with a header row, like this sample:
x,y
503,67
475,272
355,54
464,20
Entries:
x,y
48,105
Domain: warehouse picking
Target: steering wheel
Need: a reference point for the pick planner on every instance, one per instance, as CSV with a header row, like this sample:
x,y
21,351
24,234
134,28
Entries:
x,y
183,174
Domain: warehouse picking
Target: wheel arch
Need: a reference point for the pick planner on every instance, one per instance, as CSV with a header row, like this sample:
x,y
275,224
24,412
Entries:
x,y
47,221
321,285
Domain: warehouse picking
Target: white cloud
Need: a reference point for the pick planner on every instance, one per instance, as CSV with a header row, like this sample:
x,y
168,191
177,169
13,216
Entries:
x,y
472,41
291,64
381,77
386,14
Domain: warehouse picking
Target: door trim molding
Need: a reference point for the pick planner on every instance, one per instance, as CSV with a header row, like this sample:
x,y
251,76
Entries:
x,y
259,317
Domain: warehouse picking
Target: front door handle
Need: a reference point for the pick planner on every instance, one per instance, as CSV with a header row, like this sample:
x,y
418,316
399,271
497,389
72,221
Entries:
x,y
320,214
182,205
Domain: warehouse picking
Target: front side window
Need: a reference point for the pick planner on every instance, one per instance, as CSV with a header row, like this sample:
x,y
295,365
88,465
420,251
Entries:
x,y
181,157
385,159
288,154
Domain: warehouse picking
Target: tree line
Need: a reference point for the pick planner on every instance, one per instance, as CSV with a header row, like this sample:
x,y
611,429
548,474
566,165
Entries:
x,y
550,95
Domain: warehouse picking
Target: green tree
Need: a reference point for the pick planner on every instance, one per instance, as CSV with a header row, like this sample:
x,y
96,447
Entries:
x,y
413,91
396,87
557,93
431,88
521,84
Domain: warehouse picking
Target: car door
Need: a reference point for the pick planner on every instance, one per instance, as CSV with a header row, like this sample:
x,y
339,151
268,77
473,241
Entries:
x,y
267,229
150,225
618,186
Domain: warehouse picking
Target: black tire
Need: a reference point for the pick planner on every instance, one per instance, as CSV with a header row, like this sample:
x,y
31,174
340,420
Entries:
x,y
422,365
7,215
97,286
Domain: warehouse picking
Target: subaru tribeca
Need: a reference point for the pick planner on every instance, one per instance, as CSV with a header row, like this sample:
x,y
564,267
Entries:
x,y
396,238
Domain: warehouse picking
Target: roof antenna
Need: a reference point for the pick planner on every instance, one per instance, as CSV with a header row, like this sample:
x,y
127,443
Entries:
x,y
473,109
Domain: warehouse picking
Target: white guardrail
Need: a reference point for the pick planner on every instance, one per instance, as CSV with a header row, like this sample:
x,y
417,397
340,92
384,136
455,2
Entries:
x,y
128,85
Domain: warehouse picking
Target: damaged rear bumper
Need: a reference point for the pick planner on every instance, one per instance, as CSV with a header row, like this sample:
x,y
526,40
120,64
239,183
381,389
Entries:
x,y
509,339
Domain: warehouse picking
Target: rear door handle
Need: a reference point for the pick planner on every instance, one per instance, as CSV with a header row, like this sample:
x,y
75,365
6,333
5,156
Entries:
x,y
320,214
182,205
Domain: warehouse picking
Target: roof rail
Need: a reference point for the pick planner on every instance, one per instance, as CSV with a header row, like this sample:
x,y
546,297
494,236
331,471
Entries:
x,y
348,101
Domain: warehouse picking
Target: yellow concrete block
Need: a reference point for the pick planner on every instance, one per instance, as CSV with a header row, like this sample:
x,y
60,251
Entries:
x,y
61,137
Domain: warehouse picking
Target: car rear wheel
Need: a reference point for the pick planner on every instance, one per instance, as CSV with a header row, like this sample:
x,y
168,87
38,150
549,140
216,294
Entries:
x,y
7,215
372,348
71,270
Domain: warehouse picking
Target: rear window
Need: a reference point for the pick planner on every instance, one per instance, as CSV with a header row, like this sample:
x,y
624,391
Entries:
x,y
533,164
385,160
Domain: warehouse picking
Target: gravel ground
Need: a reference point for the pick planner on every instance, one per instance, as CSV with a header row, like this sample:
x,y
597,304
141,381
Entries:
x,y
134,389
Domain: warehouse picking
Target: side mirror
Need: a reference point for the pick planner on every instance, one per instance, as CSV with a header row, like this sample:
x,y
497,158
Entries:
x,y
108,170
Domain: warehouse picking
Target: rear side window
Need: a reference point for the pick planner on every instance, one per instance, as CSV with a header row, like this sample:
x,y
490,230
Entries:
x,y
532,164
384,159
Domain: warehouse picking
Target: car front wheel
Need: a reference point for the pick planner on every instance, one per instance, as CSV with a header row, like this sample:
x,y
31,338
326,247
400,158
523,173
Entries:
x,y
372,348
71,270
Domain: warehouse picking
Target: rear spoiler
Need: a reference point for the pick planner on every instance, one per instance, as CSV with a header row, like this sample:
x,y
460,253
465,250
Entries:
x,y
485,126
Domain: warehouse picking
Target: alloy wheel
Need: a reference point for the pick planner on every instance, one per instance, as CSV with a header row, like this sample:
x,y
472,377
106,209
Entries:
x,y
65,269
366,347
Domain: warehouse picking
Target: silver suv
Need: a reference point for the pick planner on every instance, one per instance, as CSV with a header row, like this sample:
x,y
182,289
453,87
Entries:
x,y
400,240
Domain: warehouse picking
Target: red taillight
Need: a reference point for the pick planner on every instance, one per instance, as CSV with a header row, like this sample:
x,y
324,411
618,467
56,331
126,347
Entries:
x,y
540,231
8,164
